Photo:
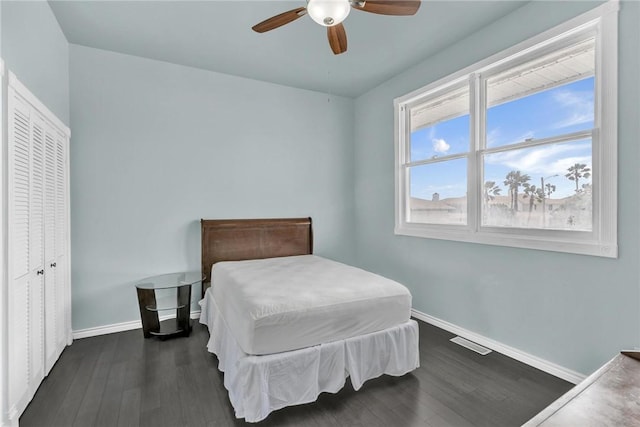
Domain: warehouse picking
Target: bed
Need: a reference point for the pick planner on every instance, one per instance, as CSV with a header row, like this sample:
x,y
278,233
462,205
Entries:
x,y
287,325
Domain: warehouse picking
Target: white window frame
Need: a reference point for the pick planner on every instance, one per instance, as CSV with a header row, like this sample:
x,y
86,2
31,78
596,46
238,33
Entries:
x,y
601,22
4,387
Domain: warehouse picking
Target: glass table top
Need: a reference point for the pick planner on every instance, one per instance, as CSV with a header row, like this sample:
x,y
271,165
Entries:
x,y
171,280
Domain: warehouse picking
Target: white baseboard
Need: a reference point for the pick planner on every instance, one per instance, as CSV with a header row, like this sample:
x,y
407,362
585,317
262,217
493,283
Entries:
x,y
519,355
120,327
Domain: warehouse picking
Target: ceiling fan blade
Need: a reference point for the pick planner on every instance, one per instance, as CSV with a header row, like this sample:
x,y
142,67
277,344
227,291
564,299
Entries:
x,y
389,7
279,20
337,38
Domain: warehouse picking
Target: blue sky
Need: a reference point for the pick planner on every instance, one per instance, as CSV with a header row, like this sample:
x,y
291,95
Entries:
x,y
561,110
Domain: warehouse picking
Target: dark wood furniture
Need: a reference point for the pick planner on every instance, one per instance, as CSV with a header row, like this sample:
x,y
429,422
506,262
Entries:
x,y
147,301
243,239
608,397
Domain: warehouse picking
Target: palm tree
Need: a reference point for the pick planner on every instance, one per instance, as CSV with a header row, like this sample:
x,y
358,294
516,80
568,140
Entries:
x,y
577,171
514,180
549,189
534,194
491,190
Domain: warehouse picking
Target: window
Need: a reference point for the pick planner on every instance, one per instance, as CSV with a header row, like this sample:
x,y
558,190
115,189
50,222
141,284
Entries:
x,y
437,167
518,150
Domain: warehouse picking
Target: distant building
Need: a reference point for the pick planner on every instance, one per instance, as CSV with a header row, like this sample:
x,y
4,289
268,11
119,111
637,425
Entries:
x,y
444,211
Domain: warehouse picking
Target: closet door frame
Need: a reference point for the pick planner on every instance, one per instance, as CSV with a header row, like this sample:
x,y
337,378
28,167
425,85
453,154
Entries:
x,y
4,244
65,132
11,406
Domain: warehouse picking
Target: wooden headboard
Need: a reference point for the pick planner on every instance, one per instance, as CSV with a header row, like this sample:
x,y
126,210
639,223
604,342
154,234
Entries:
x,y
242,239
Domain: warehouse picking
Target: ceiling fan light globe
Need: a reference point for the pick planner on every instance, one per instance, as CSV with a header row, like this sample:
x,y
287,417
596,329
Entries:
x,y
328,12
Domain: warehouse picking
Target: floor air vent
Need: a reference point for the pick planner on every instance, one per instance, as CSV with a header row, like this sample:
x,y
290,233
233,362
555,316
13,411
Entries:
x,y
471,345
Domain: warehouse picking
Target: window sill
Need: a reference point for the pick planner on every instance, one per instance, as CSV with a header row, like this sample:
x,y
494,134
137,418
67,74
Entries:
x,y
464,234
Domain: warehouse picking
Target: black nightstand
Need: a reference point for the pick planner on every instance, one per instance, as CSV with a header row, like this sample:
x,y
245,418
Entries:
x,y
146,288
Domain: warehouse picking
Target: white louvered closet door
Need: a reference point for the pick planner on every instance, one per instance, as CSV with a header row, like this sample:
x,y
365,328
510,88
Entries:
x,y
39,301
54,247
19,170
61,261
50,248
36,254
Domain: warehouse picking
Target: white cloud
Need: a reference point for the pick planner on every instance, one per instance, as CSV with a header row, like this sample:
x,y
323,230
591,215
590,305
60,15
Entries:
x,y
553,159
580,107
495,138
527,135
432,132
440,145
492,137
561,166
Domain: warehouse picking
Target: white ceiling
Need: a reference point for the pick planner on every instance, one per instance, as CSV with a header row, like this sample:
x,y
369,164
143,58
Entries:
x,y
217,36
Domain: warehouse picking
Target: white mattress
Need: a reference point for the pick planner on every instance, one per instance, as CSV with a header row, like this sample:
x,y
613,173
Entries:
x,y
259,385
281,304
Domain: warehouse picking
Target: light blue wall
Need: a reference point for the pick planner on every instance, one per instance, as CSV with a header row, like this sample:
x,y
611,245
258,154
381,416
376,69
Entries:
x,y
36,51
576,311
158,146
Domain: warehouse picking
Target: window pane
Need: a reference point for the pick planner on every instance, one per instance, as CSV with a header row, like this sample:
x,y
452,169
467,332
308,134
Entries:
x,y
514,179
549,96
440,126
438,193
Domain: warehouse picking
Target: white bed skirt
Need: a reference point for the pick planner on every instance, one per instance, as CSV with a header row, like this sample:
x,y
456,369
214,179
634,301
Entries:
x,y
258,385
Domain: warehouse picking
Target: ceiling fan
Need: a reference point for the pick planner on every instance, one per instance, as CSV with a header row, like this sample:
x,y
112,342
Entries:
x,y
331,13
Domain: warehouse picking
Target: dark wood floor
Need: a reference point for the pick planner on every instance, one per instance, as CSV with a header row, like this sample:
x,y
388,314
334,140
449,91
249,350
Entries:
x,y
124,380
